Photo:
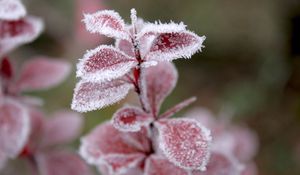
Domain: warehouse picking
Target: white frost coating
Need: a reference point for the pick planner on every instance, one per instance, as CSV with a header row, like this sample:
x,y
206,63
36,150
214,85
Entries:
x,y
159,27
137,158
147,64
133,123
133,17
14,146
170,154
179,52
106,22
90,96
9,43
83,152
112,63
11,10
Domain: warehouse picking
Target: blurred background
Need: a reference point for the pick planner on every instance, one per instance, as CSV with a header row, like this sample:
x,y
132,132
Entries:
x,y
250,65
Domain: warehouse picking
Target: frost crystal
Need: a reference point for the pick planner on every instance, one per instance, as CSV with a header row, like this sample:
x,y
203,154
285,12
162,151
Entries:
x,y
11,10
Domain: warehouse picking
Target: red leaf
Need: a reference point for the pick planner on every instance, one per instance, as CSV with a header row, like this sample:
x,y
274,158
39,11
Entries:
x,y
63,127
159,82
14,127
6,69
104,63
122,164
185,142
42,73
61,163
221,164
106,140
130,119
157,165
15,33
90,96
172,45
11,10
106,22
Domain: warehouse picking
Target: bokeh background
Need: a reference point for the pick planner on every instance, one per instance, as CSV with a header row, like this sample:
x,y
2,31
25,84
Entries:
x,y
250,65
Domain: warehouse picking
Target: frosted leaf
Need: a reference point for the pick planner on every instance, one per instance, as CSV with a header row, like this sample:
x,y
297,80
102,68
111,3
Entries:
x,y
158,165
61,163
125,46
106,140
122,164
130,119
63,127
104,63
90,96
15,33
106,22
159,80
185,142
42,73
221,164
170,112
14,127
170,46
11,10
239,141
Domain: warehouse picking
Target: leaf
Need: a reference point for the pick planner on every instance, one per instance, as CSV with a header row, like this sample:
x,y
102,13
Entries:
x,y
105,140
106,22
122,164
14,127
62,127
125,46
250,169
221,164
159,81
42,73
170,112
61,163
131,119
15,33
6,69
11,10
3,160
90,96
171,41
158,165
185,142
104,63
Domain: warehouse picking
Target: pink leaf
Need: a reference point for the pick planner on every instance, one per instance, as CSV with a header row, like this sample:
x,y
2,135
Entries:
x,y
170,112
42,73
157,165
122,164
172,41
11,9
221,164
14,127
159,80
106,22
106,140
104,63
90,96
185,142
125,46
130,119
61,163
6,69
15,33
63,127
